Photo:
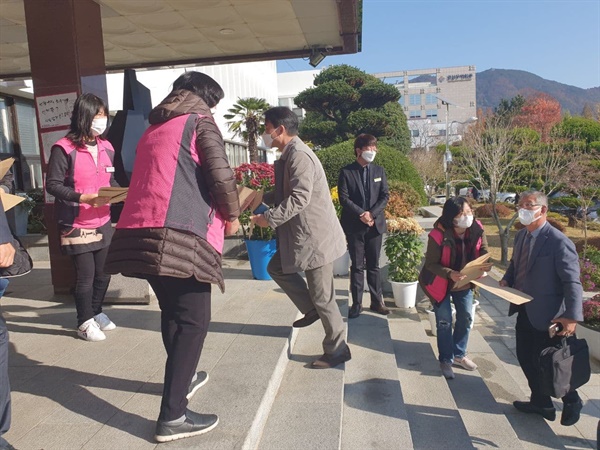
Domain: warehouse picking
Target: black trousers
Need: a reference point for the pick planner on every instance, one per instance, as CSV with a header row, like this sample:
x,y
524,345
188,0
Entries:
x,y
365,248
91,285
530,343
185,316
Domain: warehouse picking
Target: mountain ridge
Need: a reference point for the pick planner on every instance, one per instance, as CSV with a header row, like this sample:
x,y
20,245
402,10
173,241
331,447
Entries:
x,y
494,85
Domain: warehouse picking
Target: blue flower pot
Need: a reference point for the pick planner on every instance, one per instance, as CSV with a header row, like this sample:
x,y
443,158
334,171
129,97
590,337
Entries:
x,y
260,253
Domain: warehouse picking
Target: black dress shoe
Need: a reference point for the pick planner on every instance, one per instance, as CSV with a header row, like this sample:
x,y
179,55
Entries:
x,y
329,361
355,311
309,318
380,309
528,407
570,413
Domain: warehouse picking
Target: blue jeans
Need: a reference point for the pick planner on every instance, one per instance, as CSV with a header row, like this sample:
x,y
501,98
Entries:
x,y
454,344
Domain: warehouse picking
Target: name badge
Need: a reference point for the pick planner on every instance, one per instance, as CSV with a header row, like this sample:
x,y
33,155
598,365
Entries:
x,y
112,169
377,179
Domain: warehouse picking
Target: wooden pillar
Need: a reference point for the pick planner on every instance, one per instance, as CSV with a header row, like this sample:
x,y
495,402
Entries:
x,y
66,52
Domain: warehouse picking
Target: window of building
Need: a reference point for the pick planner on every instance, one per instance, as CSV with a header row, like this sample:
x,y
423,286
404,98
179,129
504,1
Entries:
x,y
414,133
415,114
415,99
442,132
431,99
431,113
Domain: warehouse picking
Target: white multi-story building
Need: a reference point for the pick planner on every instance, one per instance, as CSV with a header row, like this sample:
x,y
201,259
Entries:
x,y
436,101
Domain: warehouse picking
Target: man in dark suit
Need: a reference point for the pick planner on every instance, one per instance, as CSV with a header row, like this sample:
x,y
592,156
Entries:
x,y
363,193
544,265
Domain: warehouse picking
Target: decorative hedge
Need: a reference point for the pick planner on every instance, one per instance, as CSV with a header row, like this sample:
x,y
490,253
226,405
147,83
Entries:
x,y
486,210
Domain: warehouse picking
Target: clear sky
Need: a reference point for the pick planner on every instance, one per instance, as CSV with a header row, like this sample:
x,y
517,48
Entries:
x,y
557,40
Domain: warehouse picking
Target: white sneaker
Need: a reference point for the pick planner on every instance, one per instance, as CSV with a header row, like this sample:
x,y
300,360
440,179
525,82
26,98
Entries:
x,y
90,331
465,363
104,322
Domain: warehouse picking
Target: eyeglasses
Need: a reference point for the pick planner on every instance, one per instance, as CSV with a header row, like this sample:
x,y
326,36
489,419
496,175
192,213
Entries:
x,y
529,205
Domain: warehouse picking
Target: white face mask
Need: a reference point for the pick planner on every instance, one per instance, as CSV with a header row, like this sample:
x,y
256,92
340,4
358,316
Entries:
x,y
99,126
527,216
368,155
464,221
268,140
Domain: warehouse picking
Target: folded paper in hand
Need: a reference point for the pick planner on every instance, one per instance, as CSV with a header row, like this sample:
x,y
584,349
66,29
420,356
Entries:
x,y
116,194
510,294
8,200
474,270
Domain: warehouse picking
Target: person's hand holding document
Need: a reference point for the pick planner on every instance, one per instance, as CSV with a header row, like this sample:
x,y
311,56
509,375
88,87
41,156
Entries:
x,y
473,270
115,194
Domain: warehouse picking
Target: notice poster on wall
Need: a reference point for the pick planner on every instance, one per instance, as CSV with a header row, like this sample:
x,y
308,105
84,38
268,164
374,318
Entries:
x,y
55,110
49,138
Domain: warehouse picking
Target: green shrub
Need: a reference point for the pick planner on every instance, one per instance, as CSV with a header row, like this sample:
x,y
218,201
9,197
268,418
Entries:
x,y
558,217
569,202
397,166
591,242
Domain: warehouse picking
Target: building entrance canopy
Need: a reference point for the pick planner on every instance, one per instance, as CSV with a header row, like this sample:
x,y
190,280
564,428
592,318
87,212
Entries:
x,y
162,33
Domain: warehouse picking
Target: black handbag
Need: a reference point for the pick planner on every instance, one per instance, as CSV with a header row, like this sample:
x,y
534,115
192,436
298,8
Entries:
x,y
564,367
22,263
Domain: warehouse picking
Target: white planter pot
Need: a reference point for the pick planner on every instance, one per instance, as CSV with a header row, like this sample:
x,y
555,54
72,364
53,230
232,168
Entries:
x,y
405,294
593,340
341,265
431,316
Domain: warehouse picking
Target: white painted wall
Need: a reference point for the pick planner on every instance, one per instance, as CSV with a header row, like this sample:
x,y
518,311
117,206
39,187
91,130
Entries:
x,y
242,80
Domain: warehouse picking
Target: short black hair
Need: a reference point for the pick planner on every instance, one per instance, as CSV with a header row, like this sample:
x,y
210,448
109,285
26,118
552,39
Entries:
x,y
202,85
85,108
281,115
364,140
452,208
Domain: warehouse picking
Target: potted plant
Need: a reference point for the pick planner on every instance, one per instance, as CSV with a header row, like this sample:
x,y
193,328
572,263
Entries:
x,y
404,250
590,328
260,241
342,264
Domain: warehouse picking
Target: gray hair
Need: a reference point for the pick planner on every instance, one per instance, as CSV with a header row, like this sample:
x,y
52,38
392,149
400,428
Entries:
x,y
540,197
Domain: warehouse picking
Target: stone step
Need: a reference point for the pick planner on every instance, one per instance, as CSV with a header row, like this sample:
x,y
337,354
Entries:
x,y
307,411
374,412
430,407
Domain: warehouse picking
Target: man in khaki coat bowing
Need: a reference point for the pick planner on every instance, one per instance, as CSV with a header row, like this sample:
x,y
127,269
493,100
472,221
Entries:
x,y
309,235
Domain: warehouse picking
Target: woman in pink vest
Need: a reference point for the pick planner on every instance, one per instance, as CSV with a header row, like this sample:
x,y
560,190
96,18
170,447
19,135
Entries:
x,y
455,240
80,164
182,200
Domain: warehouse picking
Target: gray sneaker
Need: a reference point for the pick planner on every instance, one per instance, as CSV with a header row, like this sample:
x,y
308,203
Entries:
x,y
447,370
199,380
193,425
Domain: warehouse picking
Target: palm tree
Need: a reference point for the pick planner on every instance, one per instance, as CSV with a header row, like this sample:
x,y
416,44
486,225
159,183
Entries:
x,y
246,120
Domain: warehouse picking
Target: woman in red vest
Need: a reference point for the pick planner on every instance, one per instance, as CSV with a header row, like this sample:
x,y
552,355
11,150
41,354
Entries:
x,y
455,240
80,164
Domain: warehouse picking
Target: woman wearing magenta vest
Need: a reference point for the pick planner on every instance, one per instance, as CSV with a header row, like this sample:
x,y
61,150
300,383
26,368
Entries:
x,y
455,240
182,200
80,164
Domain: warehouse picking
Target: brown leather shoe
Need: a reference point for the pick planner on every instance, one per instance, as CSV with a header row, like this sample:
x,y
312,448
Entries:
x,y
329,361
380,309
309,318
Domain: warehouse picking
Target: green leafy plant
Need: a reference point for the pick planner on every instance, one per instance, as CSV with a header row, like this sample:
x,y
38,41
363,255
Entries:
x,y
404,249
335,198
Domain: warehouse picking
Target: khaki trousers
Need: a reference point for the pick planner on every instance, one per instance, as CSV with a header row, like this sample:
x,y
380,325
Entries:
x,y
317,292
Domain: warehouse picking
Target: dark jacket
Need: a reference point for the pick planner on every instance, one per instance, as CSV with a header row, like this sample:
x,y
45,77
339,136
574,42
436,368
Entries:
x,y
552,278
351,193
181,193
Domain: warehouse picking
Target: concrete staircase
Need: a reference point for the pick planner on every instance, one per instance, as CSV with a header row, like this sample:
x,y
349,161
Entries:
x,y
391,395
